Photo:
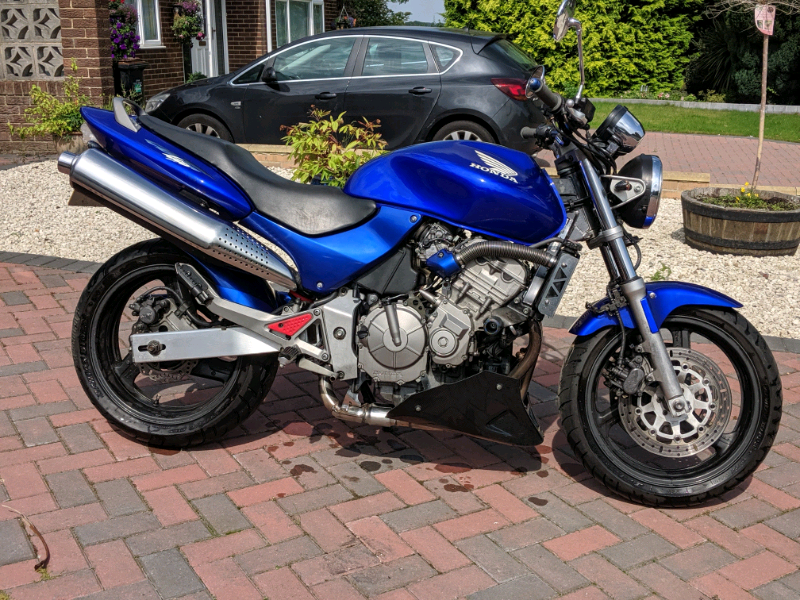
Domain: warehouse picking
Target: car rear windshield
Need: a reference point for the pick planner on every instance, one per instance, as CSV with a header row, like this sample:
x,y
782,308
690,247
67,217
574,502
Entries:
x,y
504,51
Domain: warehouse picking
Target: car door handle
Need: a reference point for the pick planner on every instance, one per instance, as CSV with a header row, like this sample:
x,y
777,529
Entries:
x,y
418,91
326,96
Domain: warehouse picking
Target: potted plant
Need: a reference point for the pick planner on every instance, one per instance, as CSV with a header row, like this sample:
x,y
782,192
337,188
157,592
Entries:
x,y
744,221
53,116
326,150
187,26
128,70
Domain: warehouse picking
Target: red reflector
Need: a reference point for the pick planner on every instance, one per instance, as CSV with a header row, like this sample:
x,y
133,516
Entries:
x,y
290,326
513,88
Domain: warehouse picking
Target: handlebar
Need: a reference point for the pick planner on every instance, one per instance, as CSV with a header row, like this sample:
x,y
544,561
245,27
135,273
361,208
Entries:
x,y
551,99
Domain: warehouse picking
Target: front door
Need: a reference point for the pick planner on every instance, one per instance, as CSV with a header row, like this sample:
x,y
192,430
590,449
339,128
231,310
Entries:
x,y
209,56
399,85
311,74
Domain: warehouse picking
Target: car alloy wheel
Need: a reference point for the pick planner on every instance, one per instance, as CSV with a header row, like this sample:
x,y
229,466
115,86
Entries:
x,y
203,128
463,135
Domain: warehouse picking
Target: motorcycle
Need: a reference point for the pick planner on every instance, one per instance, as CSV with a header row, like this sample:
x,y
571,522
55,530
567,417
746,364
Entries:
x,y
406,293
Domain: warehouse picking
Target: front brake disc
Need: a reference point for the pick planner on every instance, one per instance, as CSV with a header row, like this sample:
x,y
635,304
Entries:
x,y
649,422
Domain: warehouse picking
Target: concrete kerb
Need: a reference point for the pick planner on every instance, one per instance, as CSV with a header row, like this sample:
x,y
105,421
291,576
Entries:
x,y
776,344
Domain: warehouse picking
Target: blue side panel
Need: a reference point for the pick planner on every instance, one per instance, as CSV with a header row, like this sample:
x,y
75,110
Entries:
x,y
327,263
669,295
240,287
482,187
172,167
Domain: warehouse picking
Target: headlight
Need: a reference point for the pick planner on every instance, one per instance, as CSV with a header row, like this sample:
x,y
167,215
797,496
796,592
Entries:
x,y
621,132
155,102
642,212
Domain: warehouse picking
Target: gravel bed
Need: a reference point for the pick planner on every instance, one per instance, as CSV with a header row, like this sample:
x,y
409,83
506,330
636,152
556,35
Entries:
x,y
35,218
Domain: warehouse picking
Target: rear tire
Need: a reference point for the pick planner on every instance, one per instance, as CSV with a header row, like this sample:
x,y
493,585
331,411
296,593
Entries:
x,y
200,123
594,417
213,395
464,131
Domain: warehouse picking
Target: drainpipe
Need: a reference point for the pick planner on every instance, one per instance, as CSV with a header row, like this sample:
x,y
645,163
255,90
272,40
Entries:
x,y
269,25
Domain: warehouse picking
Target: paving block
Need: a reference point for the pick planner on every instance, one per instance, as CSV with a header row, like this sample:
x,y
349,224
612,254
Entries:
x,y
170,574
15,546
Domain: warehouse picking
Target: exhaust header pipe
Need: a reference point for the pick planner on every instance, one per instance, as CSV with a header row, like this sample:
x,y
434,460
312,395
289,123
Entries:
x,y
125,191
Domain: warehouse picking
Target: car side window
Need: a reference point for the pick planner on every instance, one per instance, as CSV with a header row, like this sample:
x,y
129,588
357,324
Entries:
x,y
323,59
252,75
444,56
386,56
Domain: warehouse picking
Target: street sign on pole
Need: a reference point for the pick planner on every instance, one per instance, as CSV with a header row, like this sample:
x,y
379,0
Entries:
x,y
765,18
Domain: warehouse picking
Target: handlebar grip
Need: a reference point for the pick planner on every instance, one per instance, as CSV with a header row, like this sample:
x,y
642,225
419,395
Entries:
x,y
550,98
527,133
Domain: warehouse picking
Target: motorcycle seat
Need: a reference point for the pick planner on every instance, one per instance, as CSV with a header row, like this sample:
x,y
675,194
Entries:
x,y
312,210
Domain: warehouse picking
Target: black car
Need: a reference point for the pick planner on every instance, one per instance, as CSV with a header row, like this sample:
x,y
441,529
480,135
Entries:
x,y
423,83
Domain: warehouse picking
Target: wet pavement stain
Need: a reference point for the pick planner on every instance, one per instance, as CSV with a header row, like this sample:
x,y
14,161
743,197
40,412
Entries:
x,y
370,466
163,451
537,501
271,448
387,461
542,474
298,470
411,459
288,444
453,468
452,487
396,446
348,452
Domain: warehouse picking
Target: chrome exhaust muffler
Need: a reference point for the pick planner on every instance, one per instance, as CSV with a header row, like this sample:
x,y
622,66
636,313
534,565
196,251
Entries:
x,y
125,191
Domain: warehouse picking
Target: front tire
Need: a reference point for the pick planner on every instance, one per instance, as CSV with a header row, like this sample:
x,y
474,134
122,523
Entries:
x,y
162,405
611,434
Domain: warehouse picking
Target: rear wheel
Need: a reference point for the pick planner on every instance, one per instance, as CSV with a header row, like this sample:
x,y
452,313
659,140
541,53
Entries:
x,y
206,125
174,404
465,131
633,443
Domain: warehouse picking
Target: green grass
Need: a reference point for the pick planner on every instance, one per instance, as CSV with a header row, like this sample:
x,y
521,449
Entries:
x,y
674,119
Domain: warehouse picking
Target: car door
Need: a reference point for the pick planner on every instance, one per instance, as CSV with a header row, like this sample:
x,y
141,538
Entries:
x,y
396,81
315,73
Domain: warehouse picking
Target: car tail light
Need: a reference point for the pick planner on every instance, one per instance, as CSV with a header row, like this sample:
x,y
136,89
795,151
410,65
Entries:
x,y
513,88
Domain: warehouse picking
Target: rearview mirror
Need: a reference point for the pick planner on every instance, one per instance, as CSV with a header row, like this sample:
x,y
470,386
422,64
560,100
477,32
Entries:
x,y
268,75
566,13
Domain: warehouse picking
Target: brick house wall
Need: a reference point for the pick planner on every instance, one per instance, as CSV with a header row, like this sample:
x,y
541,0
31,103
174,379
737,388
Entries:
x,y
164,65
83,36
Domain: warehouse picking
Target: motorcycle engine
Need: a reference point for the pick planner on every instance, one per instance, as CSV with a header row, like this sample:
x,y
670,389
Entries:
x,y
438,330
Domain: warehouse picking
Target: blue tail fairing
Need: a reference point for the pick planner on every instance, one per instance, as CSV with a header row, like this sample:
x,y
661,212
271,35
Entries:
x,y
171,167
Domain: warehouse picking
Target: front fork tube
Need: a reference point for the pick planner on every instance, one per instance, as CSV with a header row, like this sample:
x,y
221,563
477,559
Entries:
x,y
618,260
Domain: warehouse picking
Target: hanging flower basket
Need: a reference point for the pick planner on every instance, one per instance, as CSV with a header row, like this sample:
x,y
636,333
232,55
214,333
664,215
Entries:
x,y
187,22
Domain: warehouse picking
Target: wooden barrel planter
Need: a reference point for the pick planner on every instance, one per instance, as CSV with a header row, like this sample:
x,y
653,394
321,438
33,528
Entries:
x,y
726,230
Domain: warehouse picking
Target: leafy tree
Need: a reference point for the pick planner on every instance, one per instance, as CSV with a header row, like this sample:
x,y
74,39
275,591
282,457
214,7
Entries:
x,y
372,13
728,59
627,43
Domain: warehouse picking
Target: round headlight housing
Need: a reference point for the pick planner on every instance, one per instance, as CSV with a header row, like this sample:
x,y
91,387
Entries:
x,y
642,212
155,102
621,132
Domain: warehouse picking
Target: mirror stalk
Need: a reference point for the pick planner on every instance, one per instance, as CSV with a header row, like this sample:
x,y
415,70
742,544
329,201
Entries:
x,y
576,25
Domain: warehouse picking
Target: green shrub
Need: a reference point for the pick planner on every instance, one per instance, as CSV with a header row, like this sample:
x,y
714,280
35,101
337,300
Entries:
x,y
196,76
330,149
51,115
627,43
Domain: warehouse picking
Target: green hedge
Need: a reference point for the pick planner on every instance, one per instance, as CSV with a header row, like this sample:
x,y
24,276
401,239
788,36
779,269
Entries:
x,y
627,43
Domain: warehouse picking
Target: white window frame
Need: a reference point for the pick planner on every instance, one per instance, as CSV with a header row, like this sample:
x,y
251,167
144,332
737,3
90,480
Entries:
x,y
156,43
311,4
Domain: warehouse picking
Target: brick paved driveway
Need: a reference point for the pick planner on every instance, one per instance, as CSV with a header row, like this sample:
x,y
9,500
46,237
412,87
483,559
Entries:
x,y
295,505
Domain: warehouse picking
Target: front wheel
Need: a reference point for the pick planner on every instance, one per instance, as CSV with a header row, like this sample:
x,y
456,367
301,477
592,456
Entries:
x,y
632,443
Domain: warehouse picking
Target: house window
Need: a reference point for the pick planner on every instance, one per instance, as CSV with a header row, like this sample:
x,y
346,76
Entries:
x,y
296,19
149,21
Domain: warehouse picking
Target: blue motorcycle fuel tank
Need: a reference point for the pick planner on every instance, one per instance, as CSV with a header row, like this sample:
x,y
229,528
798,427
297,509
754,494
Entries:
x,y
482,187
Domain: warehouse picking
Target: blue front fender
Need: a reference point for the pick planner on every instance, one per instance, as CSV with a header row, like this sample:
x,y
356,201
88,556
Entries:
x,y
663,298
